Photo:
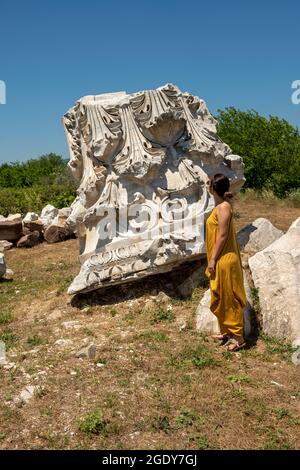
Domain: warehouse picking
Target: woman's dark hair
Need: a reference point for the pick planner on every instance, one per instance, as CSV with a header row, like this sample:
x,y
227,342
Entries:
x,y
220,184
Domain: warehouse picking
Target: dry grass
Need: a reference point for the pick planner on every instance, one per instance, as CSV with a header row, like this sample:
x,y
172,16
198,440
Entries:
x,y
155,383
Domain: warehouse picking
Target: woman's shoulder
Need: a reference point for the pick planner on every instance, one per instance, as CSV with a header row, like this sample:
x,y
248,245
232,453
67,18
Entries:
x,y
224,206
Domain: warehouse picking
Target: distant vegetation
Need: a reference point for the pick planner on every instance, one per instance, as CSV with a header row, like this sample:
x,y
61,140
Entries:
x,y
270,149
29,186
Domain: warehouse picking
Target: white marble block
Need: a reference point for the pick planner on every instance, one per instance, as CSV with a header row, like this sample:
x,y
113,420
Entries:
x,y
142,162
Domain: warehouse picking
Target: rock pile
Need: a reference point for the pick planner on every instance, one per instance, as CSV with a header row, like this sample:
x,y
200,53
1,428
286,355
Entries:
x,y
52,225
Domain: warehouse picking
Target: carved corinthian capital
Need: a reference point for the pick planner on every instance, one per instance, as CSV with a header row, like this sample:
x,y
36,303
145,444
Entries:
x,y
142,161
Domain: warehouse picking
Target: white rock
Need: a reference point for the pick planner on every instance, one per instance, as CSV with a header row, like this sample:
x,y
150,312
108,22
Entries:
x,y
276,275
14,218
5,245
9,365
63,342
3,359
152,190
88,352
26,394
258,235
296,343
30,217
207,322
48,214
2,265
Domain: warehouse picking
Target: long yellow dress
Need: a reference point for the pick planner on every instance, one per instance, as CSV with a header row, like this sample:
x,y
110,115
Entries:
x,y
228,297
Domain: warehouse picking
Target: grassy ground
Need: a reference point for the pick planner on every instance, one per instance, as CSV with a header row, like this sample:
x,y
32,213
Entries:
x,y
155,382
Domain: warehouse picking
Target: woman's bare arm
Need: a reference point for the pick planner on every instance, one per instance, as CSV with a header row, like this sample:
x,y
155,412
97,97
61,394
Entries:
x,y
224,214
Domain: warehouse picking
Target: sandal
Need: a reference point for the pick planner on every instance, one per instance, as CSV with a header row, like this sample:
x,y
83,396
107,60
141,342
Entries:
x,y
236,345
222,338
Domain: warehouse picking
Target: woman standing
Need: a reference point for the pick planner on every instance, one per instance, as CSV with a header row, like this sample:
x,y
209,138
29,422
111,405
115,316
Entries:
x,y
224,269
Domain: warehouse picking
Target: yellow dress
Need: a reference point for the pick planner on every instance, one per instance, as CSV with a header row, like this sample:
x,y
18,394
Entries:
x,y
228,297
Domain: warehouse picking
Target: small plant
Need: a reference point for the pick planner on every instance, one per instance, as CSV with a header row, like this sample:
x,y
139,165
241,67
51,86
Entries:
x,y
186,418
239,393
283,413
294,198
88,332
5,317
255,300
204,359
276,441
274,345
236,378
227,355
201,442
94,423
40,392
113,312
161,423
154,336
161,315
35,340
9,338
197,355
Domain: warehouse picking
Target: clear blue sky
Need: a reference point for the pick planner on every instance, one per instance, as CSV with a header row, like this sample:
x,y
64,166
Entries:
x,y
231,53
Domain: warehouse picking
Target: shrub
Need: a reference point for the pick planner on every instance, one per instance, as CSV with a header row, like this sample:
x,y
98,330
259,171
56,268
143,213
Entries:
x,y
270,149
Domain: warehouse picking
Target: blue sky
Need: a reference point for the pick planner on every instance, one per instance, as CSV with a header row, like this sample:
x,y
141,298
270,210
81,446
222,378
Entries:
x,y
231,53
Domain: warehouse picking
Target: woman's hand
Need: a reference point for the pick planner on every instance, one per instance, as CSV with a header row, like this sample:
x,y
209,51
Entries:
x,y
212,266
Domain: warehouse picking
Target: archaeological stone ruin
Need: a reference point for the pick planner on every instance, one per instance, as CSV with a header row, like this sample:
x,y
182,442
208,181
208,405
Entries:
x,y
142,161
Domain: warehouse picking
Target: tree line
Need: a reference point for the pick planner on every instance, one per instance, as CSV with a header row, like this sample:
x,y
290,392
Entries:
x,y
270,148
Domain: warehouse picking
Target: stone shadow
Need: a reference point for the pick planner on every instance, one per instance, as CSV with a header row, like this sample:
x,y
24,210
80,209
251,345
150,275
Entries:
x,y
178,284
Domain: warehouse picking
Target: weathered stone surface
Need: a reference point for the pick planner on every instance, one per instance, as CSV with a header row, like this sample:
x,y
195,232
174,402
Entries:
x,y
36,225
63,343
31,223
30,240
143,161
8,274
63,215
59,229
56,233
30,217
2,265
14,218
88,352
3,359
5,245
207,322
10,230
258,235
188,278
276,275
26,394
48,214
72,324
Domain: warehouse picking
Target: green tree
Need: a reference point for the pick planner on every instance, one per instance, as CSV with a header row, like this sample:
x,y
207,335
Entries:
x,y
270,149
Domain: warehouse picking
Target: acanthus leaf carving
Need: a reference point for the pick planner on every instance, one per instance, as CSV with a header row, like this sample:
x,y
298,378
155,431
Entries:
x,y
138,155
